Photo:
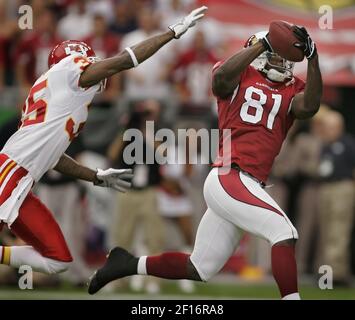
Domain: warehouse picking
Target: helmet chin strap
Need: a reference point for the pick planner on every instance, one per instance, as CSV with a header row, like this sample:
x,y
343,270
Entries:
x,y
275,75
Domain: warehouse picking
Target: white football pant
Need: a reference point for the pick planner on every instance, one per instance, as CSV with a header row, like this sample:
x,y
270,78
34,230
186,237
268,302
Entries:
x,y
236,203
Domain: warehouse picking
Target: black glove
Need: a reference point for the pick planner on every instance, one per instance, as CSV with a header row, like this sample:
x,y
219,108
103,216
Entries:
x,y
306,44
266,43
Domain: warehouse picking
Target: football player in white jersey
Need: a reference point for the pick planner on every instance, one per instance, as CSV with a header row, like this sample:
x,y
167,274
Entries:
x,y
54,113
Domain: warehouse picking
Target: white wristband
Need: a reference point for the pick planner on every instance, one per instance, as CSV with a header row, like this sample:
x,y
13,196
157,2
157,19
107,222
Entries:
x,y
133,56
142,266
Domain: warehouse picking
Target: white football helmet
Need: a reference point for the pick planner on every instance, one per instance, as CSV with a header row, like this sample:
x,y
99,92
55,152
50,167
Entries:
x,y
278,73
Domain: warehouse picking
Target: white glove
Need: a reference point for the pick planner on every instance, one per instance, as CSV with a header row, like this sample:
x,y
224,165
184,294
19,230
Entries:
x,y
114,178
187,22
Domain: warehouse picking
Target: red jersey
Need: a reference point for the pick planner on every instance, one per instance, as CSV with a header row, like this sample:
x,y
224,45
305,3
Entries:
x,y
258,115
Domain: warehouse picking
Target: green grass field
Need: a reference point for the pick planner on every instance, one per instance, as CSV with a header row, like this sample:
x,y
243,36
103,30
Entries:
x,y
171,291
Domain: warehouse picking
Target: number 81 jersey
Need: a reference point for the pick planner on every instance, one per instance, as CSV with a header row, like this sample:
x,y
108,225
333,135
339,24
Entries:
x,y
54,113
258,115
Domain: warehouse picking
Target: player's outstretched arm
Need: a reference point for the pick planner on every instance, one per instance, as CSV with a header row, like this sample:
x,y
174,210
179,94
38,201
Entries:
x,y
306,104
118,179
226,78
133,56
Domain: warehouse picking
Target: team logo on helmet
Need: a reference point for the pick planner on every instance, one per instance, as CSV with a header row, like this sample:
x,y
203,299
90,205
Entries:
x,y
251,41
73,48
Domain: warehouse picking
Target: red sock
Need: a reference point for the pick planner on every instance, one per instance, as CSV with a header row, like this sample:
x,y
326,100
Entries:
x,y
284,268
170,265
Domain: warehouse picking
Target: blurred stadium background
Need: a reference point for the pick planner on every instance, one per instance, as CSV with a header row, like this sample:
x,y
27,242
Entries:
x,y
312,177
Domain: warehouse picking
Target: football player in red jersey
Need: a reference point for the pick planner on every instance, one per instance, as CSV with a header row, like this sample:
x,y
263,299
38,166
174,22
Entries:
x,y
258,99
54,113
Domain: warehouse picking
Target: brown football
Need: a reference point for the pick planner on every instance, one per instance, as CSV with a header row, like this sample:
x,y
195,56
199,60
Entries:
x,y
282,40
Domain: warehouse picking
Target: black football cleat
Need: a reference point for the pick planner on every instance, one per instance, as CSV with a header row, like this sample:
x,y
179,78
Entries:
x,y
119,264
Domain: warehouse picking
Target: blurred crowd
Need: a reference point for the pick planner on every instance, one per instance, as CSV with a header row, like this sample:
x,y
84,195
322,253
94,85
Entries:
x,y
312,179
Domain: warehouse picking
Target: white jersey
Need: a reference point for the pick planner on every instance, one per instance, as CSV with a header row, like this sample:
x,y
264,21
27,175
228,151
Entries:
x,y
54,113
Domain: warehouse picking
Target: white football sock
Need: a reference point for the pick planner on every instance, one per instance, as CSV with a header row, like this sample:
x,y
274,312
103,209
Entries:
x,y
142,265
292,296
26,255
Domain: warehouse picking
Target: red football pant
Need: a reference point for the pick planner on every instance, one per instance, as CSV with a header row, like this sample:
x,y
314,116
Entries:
x,y
37,227
35,224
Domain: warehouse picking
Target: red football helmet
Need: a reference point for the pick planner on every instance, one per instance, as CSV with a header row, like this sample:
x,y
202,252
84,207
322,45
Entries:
x,y
69,47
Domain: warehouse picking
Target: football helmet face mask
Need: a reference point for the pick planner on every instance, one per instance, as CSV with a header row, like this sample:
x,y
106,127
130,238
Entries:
x,y
71,47
271,64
